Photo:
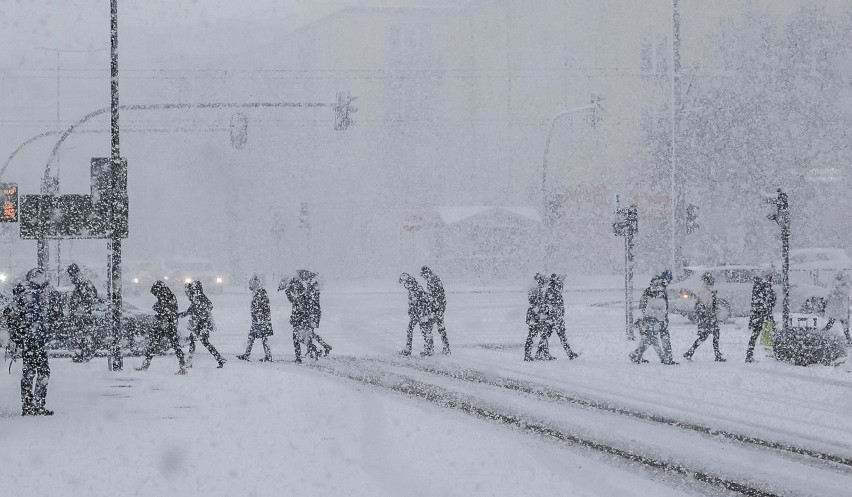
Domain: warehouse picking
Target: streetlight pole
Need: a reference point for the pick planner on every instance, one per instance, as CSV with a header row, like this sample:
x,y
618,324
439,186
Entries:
x,y
675,106
114,249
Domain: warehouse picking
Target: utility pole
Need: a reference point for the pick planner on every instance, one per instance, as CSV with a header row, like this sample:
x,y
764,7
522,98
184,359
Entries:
x,y
675,108
627,225
117,169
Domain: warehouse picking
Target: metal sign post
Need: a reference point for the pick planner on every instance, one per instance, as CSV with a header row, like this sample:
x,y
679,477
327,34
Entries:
x,y
627,225
119,179
782,217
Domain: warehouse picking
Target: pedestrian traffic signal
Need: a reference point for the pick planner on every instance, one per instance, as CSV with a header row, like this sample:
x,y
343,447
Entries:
x,y
9,202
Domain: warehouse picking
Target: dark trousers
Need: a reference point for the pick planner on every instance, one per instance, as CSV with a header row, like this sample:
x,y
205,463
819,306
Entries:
x,y
703,333
204,338
311,349
267,353
534,331
426,329
649,332
666,345
173,340
756,326
544,345
36,373
442,331
85,334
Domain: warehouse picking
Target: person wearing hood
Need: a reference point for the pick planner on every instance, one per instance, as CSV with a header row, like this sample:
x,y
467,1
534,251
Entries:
x,y
200,321
837,304
419,312
165,326
81,305
654,305
535,313
438,298
554,305
762,302
312,302
31,308
261,320
302,315
706,306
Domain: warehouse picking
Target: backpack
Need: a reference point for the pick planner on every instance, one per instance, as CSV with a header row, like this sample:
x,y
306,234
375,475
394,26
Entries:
x,y
13,323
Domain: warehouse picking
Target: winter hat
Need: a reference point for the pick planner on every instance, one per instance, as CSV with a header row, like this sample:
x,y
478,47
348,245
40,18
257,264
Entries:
x,y
666,276
254,283
35,277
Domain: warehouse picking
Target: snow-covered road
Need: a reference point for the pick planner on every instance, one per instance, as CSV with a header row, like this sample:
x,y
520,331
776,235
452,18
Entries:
x,y
366,421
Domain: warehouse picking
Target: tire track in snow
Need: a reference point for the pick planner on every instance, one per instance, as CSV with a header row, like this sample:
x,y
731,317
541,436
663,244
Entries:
x,y
443,397
556,395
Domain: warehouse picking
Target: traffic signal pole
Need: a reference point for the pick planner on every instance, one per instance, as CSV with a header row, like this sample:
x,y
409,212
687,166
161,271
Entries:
x,y
114,245
627,225
782,217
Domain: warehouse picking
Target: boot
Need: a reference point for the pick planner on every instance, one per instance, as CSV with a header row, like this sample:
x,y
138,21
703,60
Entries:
x,y
688,355
446,350
44,412
719,358
27,408
189,361
222,362
181,370
243,357
145,365
327,350
528,357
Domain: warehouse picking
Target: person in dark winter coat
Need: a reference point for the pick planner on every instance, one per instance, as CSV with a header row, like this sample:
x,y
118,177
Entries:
x,y
302,315
261,320
535,314
762,302
837,305
31,308
200,321
81,305
438,300
654,305
165,326
419,312
312,302
708,323
554,305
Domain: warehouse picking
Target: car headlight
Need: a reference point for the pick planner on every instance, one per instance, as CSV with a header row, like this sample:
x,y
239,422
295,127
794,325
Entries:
x,y
166,278
218,280
3,277
187,280
135,280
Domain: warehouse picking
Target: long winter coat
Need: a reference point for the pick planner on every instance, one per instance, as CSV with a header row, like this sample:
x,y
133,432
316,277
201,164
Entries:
x,y
166,309
200,309
705,312
436,292
419,303
536,310
297,294
82,303
312,303
261,316
654,303
762,301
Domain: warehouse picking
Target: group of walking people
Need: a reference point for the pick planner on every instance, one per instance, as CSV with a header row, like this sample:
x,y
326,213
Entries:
x,y
546,314
426,308
654,305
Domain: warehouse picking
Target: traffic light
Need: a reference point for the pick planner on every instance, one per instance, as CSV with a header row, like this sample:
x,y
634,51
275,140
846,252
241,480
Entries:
x,y
9,203
691,218
781,212
342,110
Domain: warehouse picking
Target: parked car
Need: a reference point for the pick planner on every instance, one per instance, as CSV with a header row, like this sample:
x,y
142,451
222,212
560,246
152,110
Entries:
x,y
817,266
734,285
136,325
203,270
